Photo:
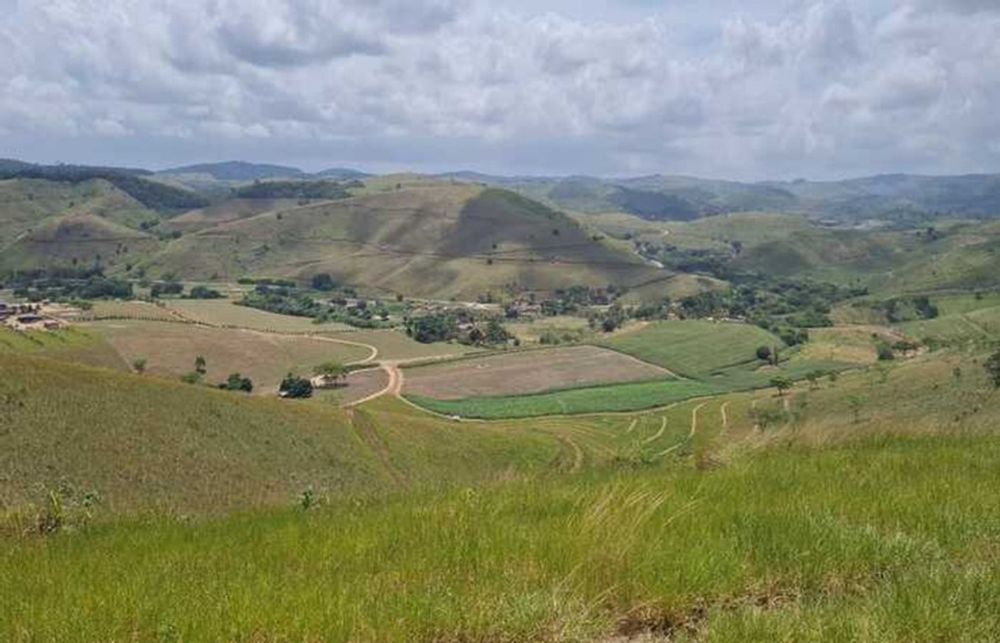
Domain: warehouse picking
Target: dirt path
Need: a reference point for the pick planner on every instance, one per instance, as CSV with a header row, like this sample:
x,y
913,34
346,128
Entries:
x,y
365,427
578,456
725,417
658,434
753,407
694,419
631,427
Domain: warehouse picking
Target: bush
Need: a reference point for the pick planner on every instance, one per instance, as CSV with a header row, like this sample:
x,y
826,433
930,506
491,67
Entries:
x,y
295,387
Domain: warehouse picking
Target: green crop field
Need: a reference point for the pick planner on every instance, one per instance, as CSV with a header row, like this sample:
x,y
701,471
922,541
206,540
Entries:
x,y
617,397
694,348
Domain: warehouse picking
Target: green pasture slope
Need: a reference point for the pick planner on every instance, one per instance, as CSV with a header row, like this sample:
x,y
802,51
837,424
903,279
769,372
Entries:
x,y
830,524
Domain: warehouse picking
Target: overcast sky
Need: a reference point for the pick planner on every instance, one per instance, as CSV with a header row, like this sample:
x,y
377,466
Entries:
x,y
747,90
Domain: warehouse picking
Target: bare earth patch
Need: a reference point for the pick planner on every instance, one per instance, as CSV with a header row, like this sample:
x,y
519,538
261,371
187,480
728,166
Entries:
x,y
528,372
170,351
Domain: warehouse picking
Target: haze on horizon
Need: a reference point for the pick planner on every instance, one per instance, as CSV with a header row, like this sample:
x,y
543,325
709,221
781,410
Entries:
x,y
741,90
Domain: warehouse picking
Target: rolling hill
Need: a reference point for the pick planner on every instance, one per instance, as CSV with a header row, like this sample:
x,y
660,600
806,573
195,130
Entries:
x,y
436,240
78,240
679,198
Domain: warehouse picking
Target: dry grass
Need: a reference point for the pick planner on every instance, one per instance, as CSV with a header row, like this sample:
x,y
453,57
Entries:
x,y
170,351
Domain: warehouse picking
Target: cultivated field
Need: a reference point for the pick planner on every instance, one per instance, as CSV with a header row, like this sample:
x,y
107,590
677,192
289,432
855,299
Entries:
x,y
395,345
170,350
128,310
695,348
223,312
527,372
599,399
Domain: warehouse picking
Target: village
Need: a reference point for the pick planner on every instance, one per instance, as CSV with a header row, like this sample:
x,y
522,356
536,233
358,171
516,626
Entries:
x,y
32,317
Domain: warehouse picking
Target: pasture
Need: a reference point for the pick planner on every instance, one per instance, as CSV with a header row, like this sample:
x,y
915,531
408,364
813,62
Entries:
x,y
527,372
170,350
977,327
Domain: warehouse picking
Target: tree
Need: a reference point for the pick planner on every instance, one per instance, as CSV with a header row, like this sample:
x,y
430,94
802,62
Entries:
x,y
764,353
992,366
323,282
295,387
781,383
204,292
200,365
191,378
139,365
236,382
813,377
884,352
332,371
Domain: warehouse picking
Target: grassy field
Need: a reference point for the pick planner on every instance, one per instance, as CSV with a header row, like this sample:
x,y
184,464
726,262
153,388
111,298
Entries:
x,y
71,344
859,543
980,326
170,350
527,372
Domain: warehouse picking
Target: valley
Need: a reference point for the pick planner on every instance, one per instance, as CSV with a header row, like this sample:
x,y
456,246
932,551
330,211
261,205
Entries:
x,y
429,408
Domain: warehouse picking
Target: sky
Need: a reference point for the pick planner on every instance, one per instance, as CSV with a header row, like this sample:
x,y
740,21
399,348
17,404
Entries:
x,y
751,90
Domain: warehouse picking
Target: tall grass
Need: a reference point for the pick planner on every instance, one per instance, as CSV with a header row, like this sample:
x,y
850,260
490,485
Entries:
x,y
888,539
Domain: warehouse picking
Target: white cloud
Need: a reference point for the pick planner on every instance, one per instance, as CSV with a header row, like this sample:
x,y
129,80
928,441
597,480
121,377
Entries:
x,y
833,87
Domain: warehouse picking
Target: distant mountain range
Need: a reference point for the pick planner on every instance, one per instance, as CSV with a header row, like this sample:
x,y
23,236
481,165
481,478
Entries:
x,y
901,197
241,171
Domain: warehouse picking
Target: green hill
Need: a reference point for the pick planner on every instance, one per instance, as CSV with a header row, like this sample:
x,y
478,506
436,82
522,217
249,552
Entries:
x,y
433,240
26,204
78,240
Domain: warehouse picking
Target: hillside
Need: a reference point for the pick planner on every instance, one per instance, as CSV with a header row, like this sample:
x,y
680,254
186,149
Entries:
x,y
26,204
78,240
436,240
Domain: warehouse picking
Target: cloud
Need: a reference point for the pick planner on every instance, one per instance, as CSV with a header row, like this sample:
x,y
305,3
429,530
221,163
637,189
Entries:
x,y
832,87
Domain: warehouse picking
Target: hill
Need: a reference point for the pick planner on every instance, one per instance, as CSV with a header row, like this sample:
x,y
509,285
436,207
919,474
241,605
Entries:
x,y
237,171
134,182
26,204
900,197
78,240
432,240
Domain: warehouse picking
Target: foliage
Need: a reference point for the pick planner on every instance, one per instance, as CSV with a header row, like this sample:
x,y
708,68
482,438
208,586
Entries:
x,y
292,190
236,382
992,366
161,288
204,292
295,387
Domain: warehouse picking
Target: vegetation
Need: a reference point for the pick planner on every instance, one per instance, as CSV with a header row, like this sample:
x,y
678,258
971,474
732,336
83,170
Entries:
x,y
292,190
295,387
289,301
594,399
